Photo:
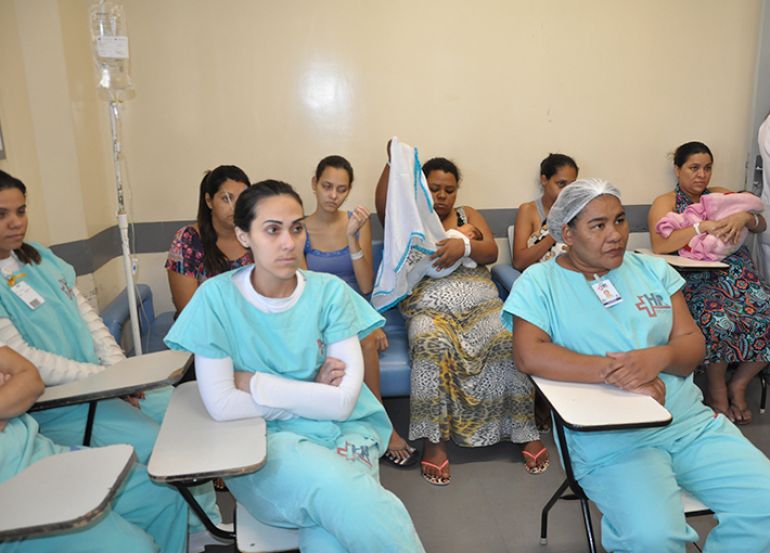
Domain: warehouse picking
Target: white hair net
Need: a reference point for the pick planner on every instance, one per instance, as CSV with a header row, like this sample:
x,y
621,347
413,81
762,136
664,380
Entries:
x,y
573,199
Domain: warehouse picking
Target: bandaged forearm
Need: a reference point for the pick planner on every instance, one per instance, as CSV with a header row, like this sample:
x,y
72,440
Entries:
x,y
54,369
105,346
313,400
222,399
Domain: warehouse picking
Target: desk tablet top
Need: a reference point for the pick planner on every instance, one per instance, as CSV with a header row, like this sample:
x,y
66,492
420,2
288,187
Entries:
x,y
134,374
193,446
62,491
601,406
684,263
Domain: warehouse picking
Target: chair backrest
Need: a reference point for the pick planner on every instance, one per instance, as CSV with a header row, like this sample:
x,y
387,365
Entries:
x,y
511,230
377,247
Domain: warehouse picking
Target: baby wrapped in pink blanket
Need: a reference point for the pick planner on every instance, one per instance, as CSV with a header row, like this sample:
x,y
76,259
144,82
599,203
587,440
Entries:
x,y
711,207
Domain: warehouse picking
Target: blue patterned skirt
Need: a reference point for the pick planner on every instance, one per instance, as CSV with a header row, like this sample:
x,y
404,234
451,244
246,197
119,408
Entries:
x,y
732,309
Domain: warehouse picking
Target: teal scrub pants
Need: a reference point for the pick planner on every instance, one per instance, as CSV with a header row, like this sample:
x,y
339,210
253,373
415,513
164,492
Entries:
x,y
143,518
117,422
333,495
638,491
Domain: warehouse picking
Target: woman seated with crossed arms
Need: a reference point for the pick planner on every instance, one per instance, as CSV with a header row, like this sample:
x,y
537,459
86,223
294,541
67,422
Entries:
x,y
643,339
277,342
144,517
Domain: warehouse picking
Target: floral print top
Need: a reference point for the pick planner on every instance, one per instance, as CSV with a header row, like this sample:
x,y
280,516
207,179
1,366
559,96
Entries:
x,y
185,256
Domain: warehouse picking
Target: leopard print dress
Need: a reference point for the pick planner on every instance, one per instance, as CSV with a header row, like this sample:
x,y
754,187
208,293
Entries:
x,y
465,386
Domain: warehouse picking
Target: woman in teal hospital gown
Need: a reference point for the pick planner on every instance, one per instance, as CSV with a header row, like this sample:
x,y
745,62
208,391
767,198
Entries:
x,y
44,317
274,341
143,517
642,338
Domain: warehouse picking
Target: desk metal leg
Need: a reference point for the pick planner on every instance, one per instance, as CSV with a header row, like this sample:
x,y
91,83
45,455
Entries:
x,y
544,514
588,525
210,526
89,423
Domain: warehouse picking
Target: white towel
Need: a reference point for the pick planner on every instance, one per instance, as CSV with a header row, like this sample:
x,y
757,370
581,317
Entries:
x,y
412,229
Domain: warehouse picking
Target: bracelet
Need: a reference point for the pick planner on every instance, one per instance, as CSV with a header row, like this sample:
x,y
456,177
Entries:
x,y
467,242
696,226
357,255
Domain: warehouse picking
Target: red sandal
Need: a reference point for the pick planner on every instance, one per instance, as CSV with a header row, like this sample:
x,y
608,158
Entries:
x,y
536,469
436,480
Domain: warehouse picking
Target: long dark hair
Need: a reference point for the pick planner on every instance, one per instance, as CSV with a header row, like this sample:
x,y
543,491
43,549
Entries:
x,y
246,206
26,253
214,261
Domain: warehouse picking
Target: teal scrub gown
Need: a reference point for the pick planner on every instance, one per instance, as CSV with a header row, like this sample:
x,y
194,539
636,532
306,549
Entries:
x,y
57,327
143,518
634,476
321,476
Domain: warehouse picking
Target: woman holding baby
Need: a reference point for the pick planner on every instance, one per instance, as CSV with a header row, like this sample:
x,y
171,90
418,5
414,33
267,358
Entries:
x,y
732,306
464,383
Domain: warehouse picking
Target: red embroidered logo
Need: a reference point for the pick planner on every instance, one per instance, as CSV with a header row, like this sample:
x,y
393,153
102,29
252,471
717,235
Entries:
x,y
651,303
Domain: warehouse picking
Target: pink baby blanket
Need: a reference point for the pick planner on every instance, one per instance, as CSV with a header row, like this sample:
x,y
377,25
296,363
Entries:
x,y
711,207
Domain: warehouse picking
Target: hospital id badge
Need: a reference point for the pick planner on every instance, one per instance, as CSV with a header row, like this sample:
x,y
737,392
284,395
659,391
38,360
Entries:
x,y
606,293
27,294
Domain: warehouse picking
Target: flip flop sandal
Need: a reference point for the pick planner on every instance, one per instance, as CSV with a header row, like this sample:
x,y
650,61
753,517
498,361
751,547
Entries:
x,y
744,413
536,469
436,480
402,462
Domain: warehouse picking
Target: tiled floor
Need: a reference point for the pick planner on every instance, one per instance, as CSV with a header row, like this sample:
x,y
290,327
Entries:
x,y
493,506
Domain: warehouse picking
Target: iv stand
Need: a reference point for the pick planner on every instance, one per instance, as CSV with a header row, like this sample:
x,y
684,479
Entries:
x,y
114,108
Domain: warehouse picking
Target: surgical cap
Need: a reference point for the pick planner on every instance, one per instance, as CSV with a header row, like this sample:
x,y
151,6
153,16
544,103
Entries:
x,y
571,201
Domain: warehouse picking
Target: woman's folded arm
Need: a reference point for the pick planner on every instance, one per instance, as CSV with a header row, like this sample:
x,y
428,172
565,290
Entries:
x,y
54,369
314,400
222,399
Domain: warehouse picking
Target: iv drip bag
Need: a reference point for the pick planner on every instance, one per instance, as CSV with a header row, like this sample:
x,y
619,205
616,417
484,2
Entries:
x,y
109,43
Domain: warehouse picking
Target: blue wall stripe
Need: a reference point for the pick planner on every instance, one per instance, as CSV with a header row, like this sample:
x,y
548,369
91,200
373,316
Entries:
x,y
89,255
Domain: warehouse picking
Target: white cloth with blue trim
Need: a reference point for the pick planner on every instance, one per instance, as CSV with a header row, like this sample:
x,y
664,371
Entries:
x,y
412,229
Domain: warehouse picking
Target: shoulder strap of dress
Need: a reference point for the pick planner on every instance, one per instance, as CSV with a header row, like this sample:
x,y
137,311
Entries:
x,y
539,207
462,218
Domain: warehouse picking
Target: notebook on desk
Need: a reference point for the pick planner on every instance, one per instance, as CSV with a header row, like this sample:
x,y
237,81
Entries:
x,y
684,262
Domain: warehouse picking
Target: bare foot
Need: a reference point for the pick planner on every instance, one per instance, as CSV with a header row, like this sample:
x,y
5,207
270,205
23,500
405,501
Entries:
x,y
716,398
739,408
399,452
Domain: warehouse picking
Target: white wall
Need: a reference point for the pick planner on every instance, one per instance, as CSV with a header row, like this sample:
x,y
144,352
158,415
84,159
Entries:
x,y
275,85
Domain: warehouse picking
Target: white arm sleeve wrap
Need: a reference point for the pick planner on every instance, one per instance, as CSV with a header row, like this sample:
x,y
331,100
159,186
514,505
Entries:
x,y
311,399
106,347
54,369
222,399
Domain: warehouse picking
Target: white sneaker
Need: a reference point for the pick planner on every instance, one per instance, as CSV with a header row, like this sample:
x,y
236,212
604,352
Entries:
x,y
197,542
